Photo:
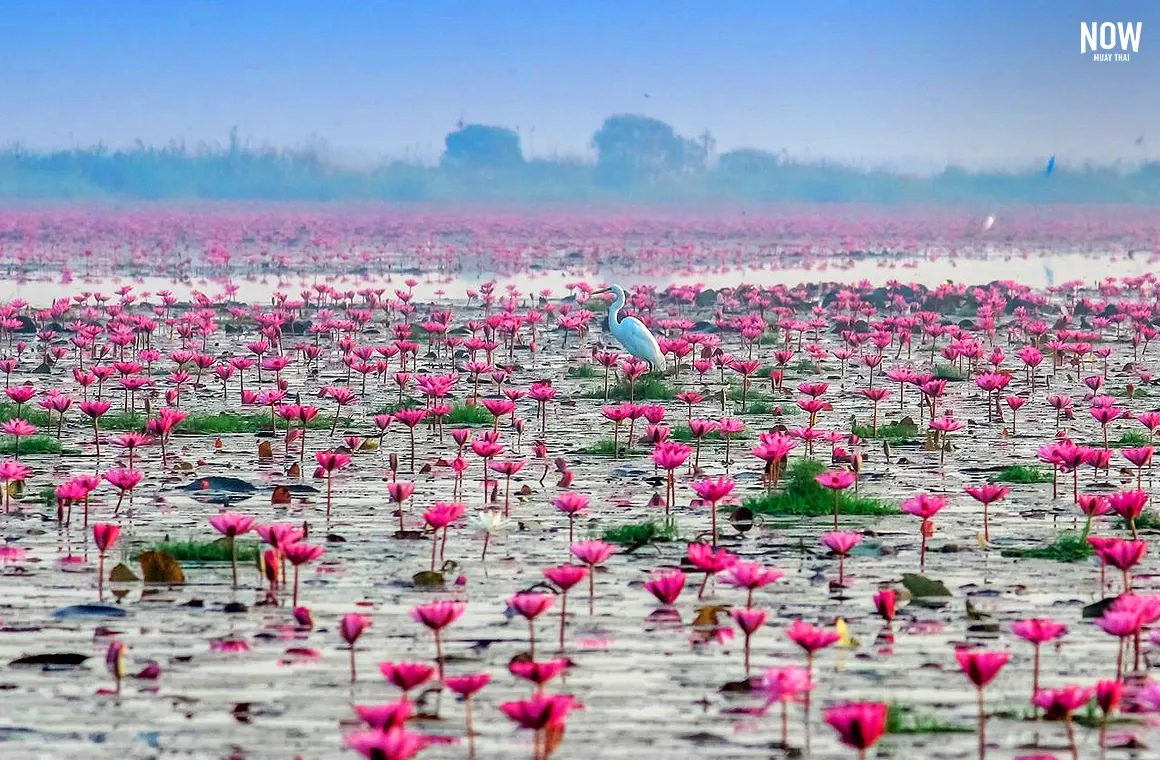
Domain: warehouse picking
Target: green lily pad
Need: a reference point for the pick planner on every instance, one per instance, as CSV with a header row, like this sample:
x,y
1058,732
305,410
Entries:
x,y
920,586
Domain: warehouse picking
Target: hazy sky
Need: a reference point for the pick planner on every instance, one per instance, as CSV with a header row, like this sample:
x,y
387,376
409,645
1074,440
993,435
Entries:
x,y
916,83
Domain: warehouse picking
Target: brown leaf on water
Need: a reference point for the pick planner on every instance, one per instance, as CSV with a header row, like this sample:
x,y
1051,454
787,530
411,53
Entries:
x,y
294,471
281,495
265,450
370,444
122,574
427,579
16,488
974,614
159,567
526,490
217,443
707,616
553,735
425,469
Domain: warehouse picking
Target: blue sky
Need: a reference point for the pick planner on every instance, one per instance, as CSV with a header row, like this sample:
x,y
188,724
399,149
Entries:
x,y
915,84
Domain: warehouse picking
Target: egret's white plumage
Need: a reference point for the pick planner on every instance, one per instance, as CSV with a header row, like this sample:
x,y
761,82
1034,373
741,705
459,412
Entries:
x,y
632,333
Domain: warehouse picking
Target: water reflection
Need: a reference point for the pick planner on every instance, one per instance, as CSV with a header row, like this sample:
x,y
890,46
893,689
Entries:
x,y
1035,269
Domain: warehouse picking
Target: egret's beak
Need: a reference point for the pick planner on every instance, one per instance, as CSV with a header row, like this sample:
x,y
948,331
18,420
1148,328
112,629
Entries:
x,y
598,292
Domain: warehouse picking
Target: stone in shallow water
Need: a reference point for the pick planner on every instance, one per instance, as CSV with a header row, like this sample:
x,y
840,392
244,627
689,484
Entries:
x,y
219,483
89,610
50,661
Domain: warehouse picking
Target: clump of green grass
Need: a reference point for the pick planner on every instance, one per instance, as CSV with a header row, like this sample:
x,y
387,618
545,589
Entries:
x,y
1131,439
223,422
1020,473
1069,546
683,434
769,406
33,444
949,372
605,447
584,371
647,388
122,421
802,365
753,396
29,412
406,403
468,414
895,432
219,423
635,534
1147,520
901,719
207,551
802,496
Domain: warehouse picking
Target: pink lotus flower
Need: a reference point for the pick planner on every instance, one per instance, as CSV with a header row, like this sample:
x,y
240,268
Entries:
x,y
395,744
836,480
859,725
749,620
841,543
666,586
713,491
751,576
387,717
406,675
987,494
540,711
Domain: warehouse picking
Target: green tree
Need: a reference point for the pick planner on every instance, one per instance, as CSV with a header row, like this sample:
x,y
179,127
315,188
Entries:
x,y
632,148
481,146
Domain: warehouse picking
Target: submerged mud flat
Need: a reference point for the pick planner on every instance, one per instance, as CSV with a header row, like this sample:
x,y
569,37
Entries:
x,y
238,676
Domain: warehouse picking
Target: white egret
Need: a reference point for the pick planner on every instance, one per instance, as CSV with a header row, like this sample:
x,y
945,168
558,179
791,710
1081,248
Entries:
x,y
632,333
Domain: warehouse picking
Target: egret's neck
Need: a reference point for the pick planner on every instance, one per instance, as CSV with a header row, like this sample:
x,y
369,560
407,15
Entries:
x,y
615,307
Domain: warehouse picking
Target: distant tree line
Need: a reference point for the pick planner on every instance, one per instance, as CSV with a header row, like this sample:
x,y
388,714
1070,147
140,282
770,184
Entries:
x,y
637,158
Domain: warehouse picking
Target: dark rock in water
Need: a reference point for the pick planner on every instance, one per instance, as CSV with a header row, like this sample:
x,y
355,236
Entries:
x,y
234,608
26,325
216,483
1097,609
53,661
706,298
299,327
705,327
44,369
89,611
300,488
196,604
